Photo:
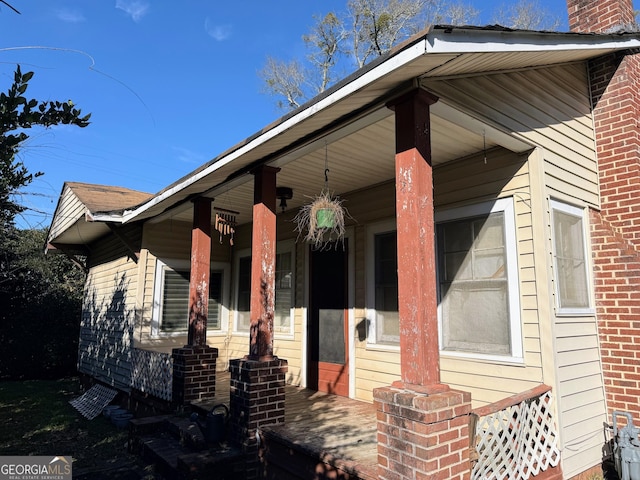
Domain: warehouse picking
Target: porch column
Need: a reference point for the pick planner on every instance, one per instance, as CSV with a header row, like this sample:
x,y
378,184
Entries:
x,y
194,365
258,380
200,271
263,263
417,297
423,425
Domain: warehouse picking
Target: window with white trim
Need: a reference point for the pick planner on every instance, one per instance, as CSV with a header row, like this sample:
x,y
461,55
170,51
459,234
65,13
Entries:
x,y
171,298
382,284
284,282
570,254
479,307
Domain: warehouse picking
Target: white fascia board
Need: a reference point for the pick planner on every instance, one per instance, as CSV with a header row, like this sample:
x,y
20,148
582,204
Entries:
x,y
114,217
405,56
462,41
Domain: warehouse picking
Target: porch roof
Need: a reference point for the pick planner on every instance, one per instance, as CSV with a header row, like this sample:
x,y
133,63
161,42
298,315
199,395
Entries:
x,y
350,127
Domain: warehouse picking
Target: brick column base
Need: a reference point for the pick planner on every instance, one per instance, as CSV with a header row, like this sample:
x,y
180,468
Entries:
x,y
256,400
422,435
194,374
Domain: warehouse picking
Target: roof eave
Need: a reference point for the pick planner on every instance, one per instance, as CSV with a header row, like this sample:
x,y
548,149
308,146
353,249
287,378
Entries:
x,y
451,39
436,40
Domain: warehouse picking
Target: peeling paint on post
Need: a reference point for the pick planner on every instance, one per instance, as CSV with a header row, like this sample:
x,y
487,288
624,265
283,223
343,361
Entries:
x,y
263,254
417,297
200,271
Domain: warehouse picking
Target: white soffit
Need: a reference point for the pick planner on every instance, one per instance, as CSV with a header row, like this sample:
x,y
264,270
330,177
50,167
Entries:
x,y
492,134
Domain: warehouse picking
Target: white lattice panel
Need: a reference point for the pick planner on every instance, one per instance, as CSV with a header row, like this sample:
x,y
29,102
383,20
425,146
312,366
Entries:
x,y
517,442
91,403
153,373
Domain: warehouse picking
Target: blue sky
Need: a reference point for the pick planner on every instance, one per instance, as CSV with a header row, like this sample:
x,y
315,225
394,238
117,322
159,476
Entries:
x,y
170,85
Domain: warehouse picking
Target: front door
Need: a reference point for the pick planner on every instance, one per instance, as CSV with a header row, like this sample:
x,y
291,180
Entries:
x,y
328,326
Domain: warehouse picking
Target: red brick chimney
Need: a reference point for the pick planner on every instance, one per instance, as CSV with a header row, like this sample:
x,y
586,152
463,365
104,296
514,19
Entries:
x,y
600,16
615,228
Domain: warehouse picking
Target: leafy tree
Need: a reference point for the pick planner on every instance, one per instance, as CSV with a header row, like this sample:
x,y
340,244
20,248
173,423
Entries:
x,y
17,114
40,295
41,298
369,29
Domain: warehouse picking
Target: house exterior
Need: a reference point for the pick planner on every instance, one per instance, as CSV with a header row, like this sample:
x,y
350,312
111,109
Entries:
x,y
483,232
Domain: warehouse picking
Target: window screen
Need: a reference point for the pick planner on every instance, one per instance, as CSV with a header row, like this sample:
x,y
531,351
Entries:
x,y
386,288
244,294
283,292
571,266
175,300
473,285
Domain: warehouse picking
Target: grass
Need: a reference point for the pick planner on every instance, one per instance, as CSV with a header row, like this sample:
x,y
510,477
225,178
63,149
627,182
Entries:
x,y
37,419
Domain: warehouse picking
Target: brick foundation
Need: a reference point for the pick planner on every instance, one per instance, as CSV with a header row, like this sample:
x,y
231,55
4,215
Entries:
x,y
256,400
422,435
194,374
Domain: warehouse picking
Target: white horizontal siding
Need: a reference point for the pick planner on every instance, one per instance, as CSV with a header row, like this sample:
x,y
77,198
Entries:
x,y
68,211
108,315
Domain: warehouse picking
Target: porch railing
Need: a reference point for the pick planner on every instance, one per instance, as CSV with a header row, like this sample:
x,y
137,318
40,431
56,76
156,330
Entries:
x,y
152,373
514,438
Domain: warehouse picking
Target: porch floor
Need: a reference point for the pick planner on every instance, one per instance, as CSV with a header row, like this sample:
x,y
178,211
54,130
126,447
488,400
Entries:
x,y
339,431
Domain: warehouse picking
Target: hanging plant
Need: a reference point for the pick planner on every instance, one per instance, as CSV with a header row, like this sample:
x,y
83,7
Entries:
x,y
321,221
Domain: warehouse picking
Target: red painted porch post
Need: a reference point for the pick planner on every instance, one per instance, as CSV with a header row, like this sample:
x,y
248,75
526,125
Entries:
x,y
256,396
200,271
263,263
417,299
423,425
194,365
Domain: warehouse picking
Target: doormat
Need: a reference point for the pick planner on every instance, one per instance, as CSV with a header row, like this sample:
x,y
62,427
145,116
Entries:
x,y
91,403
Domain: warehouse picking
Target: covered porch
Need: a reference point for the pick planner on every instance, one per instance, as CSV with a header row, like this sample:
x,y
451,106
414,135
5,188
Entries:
x,y
332,436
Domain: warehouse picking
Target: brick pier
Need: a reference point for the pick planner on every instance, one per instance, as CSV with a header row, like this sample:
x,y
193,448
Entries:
x,y
194,373
256,400
422,435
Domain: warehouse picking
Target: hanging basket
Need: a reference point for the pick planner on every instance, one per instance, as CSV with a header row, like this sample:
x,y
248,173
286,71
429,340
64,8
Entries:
x,y
321,221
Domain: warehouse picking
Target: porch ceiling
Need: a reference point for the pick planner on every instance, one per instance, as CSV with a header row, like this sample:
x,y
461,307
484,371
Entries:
x,y
357,156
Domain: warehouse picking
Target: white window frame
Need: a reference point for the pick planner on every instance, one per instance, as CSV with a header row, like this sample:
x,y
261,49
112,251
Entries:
x,y
385,226
158,289
281,247
506,206
568,209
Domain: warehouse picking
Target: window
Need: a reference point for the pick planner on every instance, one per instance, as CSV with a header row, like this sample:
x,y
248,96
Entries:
x,y
171,298
243,308
570,259
283,290
382,286
479,310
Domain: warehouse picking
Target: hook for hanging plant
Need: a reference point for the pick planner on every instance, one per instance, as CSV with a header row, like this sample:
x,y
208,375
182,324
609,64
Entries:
x,y
326,167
